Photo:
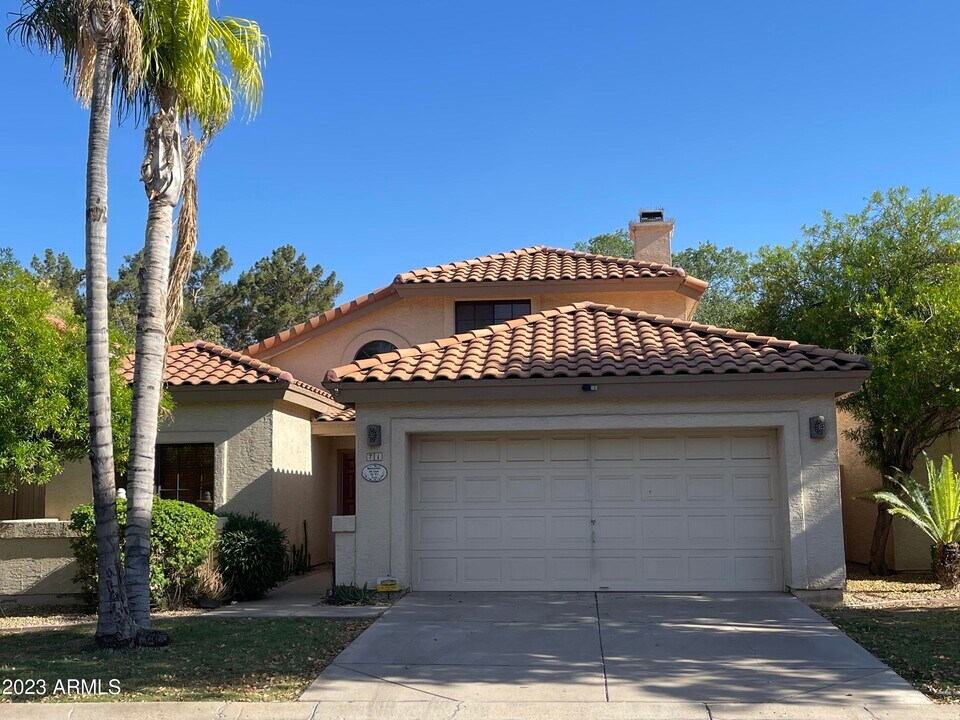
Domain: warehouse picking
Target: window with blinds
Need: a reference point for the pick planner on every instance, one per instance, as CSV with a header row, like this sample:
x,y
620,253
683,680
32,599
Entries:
x,y
185,472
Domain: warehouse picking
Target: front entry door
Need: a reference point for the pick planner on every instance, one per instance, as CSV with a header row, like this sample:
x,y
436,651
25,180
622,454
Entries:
x,y
348,482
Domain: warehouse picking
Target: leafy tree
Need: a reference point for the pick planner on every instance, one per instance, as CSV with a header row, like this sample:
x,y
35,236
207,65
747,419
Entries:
x,y
884,282
203,296
99,42
614,244
277,292
60,275
724,304
43,382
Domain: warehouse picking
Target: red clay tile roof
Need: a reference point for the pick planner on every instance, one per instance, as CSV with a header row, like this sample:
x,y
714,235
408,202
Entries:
x,y
202,363
345,415
591,340
532,264
539,263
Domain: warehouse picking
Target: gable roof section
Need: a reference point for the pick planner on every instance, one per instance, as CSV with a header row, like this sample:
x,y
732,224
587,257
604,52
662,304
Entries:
x,y
590,341
200,363
539,263
533,264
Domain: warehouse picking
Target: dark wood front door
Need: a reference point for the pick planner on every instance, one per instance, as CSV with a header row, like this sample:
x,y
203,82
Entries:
x,y
348,482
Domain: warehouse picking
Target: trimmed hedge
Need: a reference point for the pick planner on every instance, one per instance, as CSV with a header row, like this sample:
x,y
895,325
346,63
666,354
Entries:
x,y
181,539
251,555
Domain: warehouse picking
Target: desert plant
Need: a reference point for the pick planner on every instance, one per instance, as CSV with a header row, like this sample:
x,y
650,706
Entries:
x,y
298,559
935,509
183,538
251,555
351,595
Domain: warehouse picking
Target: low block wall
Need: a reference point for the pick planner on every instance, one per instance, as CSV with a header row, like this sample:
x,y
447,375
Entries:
x,y
36,563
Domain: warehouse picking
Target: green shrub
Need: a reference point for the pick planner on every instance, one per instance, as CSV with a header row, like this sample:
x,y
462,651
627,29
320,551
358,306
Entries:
x,y
251,555
181,539
351,595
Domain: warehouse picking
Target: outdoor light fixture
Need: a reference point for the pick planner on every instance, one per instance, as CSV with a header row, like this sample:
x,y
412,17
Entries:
x,y
588,388
818,427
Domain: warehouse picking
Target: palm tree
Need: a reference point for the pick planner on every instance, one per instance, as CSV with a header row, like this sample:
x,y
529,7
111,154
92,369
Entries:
x,y
99,41
935,509
195,68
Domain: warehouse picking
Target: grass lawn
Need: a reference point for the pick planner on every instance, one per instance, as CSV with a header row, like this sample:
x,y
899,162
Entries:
x,y
921,643
260,659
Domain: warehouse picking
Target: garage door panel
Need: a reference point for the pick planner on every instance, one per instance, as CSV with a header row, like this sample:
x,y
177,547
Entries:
x,y
694,511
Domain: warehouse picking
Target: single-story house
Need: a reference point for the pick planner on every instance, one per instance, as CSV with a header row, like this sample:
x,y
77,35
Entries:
x,y
539,419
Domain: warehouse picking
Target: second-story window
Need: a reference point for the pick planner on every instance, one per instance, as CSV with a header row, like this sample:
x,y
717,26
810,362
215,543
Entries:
x,y
472,315
374,348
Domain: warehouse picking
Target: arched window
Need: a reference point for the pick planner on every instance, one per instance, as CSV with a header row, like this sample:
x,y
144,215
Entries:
x,y
374,348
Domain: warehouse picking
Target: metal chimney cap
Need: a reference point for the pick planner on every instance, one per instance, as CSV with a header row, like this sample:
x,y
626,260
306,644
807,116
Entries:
x,y
651,215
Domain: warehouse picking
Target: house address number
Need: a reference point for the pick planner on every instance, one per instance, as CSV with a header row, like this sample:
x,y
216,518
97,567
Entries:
x,y
374,472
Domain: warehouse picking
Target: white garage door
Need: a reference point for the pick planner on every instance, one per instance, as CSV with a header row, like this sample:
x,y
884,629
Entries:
x,y
629,511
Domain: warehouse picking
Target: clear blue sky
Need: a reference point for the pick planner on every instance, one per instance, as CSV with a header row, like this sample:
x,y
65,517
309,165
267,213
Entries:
x,y
401,134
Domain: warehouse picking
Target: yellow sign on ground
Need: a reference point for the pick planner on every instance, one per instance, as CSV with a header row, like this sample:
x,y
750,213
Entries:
x,y
387,584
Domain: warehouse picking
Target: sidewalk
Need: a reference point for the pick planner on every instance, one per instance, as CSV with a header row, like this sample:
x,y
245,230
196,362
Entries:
x,y
302,597
471,711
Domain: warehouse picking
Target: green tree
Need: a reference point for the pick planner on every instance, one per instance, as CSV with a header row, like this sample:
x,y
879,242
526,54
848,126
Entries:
x,y
99,42
613,244
43,382
203,294
277,292
885,283
724,304
60,275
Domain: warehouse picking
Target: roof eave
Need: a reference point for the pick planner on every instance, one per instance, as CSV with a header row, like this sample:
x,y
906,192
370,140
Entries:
x,y
685,285
828,382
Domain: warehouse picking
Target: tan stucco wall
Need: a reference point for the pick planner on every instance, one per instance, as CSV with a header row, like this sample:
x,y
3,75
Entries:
x,y
413,320
908,549
298,486
814,556
68,490
266,461
36,562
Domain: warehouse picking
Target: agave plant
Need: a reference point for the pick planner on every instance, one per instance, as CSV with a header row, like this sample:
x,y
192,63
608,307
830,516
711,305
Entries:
x,y
935,509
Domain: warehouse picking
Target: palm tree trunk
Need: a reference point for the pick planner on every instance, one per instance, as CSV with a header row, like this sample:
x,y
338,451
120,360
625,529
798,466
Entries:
x,y
115,627
162,178
947,566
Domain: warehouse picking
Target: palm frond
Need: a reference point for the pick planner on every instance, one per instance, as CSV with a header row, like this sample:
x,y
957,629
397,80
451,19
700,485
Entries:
x,y
934,508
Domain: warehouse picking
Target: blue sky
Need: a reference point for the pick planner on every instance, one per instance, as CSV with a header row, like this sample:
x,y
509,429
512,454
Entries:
x,y
401,134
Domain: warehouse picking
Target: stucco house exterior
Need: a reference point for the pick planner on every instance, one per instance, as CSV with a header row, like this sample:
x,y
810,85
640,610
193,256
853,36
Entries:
x,y
538,419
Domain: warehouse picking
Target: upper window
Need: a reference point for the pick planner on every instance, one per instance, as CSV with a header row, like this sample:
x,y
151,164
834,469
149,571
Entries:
x,y
473,315
185,472
374,348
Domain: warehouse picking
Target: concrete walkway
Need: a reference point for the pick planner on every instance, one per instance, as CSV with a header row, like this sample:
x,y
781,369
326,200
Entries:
x,y
607,648
442,710
302,597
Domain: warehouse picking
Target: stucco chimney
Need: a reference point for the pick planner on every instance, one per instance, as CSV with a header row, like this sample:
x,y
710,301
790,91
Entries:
x,y
651,235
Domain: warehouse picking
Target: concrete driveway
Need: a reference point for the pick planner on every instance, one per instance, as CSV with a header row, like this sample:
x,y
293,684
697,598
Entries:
x,y
607,647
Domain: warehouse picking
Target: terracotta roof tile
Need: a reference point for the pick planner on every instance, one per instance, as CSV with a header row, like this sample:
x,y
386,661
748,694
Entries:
x,y
591,340
533,264
201,363
539,263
